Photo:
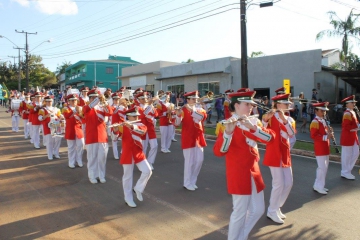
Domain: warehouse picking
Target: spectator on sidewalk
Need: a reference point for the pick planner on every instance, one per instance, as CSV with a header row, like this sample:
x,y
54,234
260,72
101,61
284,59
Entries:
x,y
219,108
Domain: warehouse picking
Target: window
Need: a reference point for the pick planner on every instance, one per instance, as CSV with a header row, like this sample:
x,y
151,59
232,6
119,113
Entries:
x,y
209,86
176,88
109,70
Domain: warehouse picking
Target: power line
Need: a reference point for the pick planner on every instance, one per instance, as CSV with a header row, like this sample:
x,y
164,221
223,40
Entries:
x,y
345,4
94,35
136,37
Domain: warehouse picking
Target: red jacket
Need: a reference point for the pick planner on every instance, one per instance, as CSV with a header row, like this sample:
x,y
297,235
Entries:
x,y
95,124
24,110
192,133
34,109
162,113
83,101
45,122
73,127
318,132
131,143
349,121
148,119
242,156
227,112
278,151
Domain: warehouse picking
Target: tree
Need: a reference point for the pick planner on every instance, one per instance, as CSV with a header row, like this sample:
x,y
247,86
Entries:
x,y
257,54
189,61
345,29
60,69
353,62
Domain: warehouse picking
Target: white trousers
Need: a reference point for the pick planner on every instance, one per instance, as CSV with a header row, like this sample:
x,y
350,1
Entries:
x,y
96,156
282,181
172,131
31,131
84,130
153,148
75,151
26,128
194,158
36,135
127,178
166,136
15,123
247,210
115,149
42,133
52,145
323,164
349,155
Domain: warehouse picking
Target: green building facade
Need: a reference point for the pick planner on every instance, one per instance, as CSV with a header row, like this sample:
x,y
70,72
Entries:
x,y
101,73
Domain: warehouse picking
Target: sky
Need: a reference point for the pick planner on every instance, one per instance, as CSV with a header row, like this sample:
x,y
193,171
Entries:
x,y
167,30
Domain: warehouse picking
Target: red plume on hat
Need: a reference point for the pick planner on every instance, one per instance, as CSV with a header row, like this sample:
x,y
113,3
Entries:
x,y
282,98
280,90
229,91
93,93
350,99
194,94
72,97
132,112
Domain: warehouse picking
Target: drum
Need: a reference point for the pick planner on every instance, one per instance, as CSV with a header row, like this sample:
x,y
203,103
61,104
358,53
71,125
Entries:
x,y
15,104
73,91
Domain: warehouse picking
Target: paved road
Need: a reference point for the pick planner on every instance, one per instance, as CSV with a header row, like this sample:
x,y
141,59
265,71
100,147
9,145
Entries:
x,y
41,199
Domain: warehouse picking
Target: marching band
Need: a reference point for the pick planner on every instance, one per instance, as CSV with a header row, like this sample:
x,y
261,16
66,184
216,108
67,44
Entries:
x,y
130,118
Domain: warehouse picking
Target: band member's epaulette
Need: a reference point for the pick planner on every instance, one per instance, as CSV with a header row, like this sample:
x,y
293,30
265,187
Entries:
x,y
220,128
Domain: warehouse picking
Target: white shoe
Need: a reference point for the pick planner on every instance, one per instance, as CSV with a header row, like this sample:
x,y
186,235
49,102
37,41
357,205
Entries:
x,y
102,180
173,140
348,176
325,189
275,217
93,181
116,158
71,166
37,147
195,186
280,214
164,151
130,204
190,188
321,191
167,150
57,156
80,165
50,159
26,137
138,195
151,166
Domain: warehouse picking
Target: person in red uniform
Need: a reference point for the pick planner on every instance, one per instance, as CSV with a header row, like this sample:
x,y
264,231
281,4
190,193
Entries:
x,y
166,128
349,139
132,154
46,116
277,156
238,143
192,138
83,100
320,133
118,116
35,122
226,103
147,116
74,134
96,137
25,115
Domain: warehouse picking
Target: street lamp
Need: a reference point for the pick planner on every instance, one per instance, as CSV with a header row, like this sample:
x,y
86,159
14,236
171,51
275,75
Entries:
x,y
1,36
244,57
49,41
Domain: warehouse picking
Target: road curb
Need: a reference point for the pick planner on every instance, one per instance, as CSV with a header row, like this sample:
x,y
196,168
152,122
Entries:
x,y
300,152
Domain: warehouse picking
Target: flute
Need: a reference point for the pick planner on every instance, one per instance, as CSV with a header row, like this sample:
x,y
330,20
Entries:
x,y
231,120
120,124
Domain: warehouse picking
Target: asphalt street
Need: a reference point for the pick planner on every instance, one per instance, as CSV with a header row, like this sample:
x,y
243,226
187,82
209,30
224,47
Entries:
x,y
42,199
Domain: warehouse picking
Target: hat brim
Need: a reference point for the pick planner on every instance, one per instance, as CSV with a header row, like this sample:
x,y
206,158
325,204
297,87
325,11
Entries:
x,y
284,101
133,114
195,97
247,101
49,100
350,101
93,95
70,99
322,108
142,97
116,97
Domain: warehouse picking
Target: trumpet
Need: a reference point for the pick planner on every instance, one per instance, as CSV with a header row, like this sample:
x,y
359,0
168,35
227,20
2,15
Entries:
x,y
327,121
231,120
301,100
120,124
103,101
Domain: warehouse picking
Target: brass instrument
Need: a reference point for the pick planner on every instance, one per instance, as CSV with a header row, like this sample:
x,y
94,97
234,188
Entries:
x,y
120,124
103,102
170,110
302,100
231,120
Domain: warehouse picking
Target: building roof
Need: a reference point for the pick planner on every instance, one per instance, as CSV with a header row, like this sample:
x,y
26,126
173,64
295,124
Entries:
x,y
351,77
324,53
139,74
113,59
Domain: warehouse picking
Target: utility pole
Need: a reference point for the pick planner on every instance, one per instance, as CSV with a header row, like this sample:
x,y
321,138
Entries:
x,y
26,56
13,58
19,73
244,58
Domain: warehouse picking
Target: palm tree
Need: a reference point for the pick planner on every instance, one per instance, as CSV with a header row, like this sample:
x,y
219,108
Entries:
x,y
257,54
345,29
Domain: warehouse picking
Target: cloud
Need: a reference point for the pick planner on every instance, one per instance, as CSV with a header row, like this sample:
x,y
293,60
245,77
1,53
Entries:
x,y
64,7
24,3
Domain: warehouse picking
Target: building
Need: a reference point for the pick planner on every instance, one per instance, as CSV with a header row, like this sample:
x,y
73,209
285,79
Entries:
x,y
144,75
101,73
62,82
